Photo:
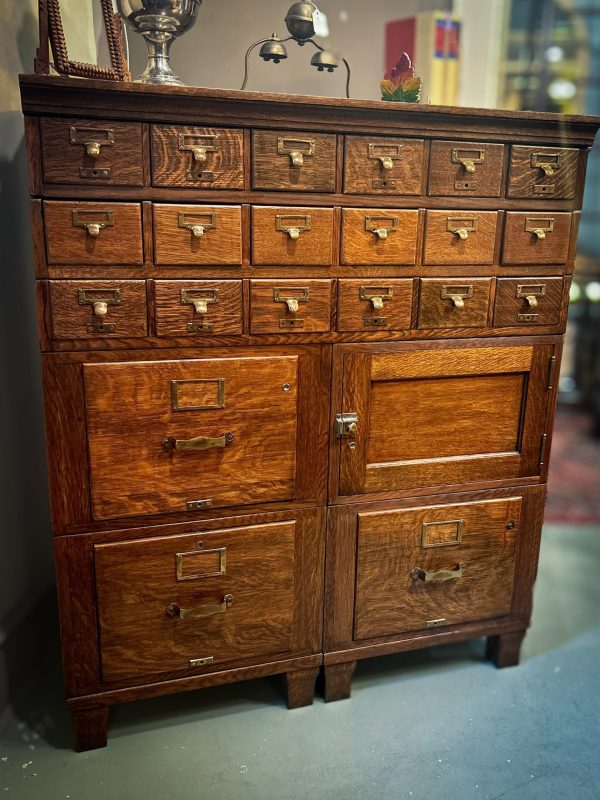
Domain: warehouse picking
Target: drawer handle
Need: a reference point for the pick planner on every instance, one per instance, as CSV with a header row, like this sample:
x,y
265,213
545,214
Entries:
x,y
290,300
418,574
90,140
200,303
191,223
539,227
456,294
289,223
386,160
93,227
461,226
199,443
292,148
531,300
373,225
530,293
376,295
468,158
198,150
547,162
98,300
175,610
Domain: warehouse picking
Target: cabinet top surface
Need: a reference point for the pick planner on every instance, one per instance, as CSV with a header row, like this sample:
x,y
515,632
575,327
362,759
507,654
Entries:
x,y
54,95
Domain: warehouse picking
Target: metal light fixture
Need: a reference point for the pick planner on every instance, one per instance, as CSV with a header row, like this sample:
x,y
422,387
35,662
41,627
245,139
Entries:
x,y
299,21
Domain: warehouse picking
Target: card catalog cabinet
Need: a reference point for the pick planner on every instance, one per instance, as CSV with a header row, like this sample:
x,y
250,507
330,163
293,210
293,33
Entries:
x,y
299,378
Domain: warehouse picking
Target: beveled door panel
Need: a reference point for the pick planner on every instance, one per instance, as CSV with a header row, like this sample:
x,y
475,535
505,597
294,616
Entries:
x,y
183,435
434,566
434,417
185,602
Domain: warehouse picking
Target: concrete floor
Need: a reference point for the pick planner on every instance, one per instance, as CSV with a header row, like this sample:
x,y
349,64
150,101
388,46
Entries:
x,y
439,724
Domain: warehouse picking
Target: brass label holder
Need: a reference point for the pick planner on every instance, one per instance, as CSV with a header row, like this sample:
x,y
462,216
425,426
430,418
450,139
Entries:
x,y
288,223
467,158
100,300
200,146
93,226
461,226
539,226
376,295
296,149
291,296
220,552
457,293
193,223
547,162
200,305
392,152
430,529
373,224
219,402
93,139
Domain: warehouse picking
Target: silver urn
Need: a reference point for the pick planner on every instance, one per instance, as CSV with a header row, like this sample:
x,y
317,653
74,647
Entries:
x,y
159,22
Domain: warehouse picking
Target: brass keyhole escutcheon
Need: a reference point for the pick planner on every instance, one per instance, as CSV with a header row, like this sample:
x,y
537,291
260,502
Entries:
x,y
532,300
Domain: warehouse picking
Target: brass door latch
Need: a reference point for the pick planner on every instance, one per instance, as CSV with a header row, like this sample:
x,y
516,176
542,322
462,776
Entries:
x,y
346,425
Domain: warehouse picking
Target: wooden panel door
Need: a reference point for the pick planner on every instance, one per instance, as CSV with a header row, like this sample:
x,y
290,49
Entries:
x,y
436,416
191,434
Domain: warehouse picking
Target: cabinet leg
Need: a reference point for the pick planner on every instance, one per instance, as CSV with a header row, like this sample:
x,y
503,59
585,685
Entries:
x,y
338,681
301,687
91,726
504,649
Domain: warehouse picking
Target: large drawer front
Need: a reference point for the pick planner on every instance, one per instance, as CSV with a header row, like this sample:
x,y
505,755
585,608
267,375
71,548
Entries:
x,y
184,435
440,565
184,603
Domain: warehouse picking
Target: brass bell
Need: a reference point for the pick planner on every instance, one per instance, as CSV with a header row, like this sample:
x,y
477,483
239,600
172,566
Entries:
x,y
325,60
273,50
299,20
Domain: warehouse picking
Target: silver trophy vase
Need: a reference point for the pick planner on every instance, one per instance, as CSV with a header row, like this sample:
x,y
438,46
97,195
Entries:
x,y
160,22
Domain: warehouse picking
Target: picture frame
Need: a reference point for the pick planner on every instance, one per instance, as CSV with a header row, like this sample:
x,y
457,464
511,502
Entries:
x,y
52,37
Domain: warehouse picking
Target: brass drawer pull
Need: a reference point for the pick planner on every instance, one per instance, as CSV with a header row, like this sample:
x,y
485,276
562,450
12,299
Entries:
x,y
376,295
373,225
386,160
93,227
284,296
530,293
462,226
296,149
547,162
90,139
457,294
468,158
191,222
539,226
200,303
418,574
199,443
97,298
198,148
289,223
175,610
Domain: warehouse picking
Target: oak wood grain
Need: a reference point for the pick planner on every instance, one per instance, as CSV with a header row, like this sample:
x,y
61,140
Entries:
x,y
512,306
198,308
272,166
364,170
313,244
523,246
358,304
448,174
443,244
192,234
440,302
525,179
270,313
362,245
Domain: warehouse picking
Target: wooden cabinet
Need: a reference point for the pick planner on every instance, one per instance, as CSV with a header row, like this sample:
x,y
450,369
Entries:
x,y
300,362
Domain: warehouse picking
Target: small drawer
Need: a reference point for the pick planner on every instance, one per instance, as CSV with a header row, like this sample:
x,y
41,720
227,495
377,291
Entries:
x,y
186,602
536,238
451,303
92,152
383,165
542,172
369,305
98,309
197,235
210,158
297,160
290,306
290,236
528,301
379,236
466,169
456,237
93,233
198,308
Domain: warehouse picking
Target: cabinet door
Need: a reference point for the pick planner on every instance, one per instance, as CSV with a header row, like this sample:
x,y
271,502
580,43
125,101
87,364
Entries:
x,y
185,435
441,415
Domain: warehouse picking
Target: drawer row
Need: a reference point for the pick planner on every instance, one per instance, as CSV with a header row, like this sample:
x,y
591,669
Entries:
x,y
105,153
90,233
120,308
